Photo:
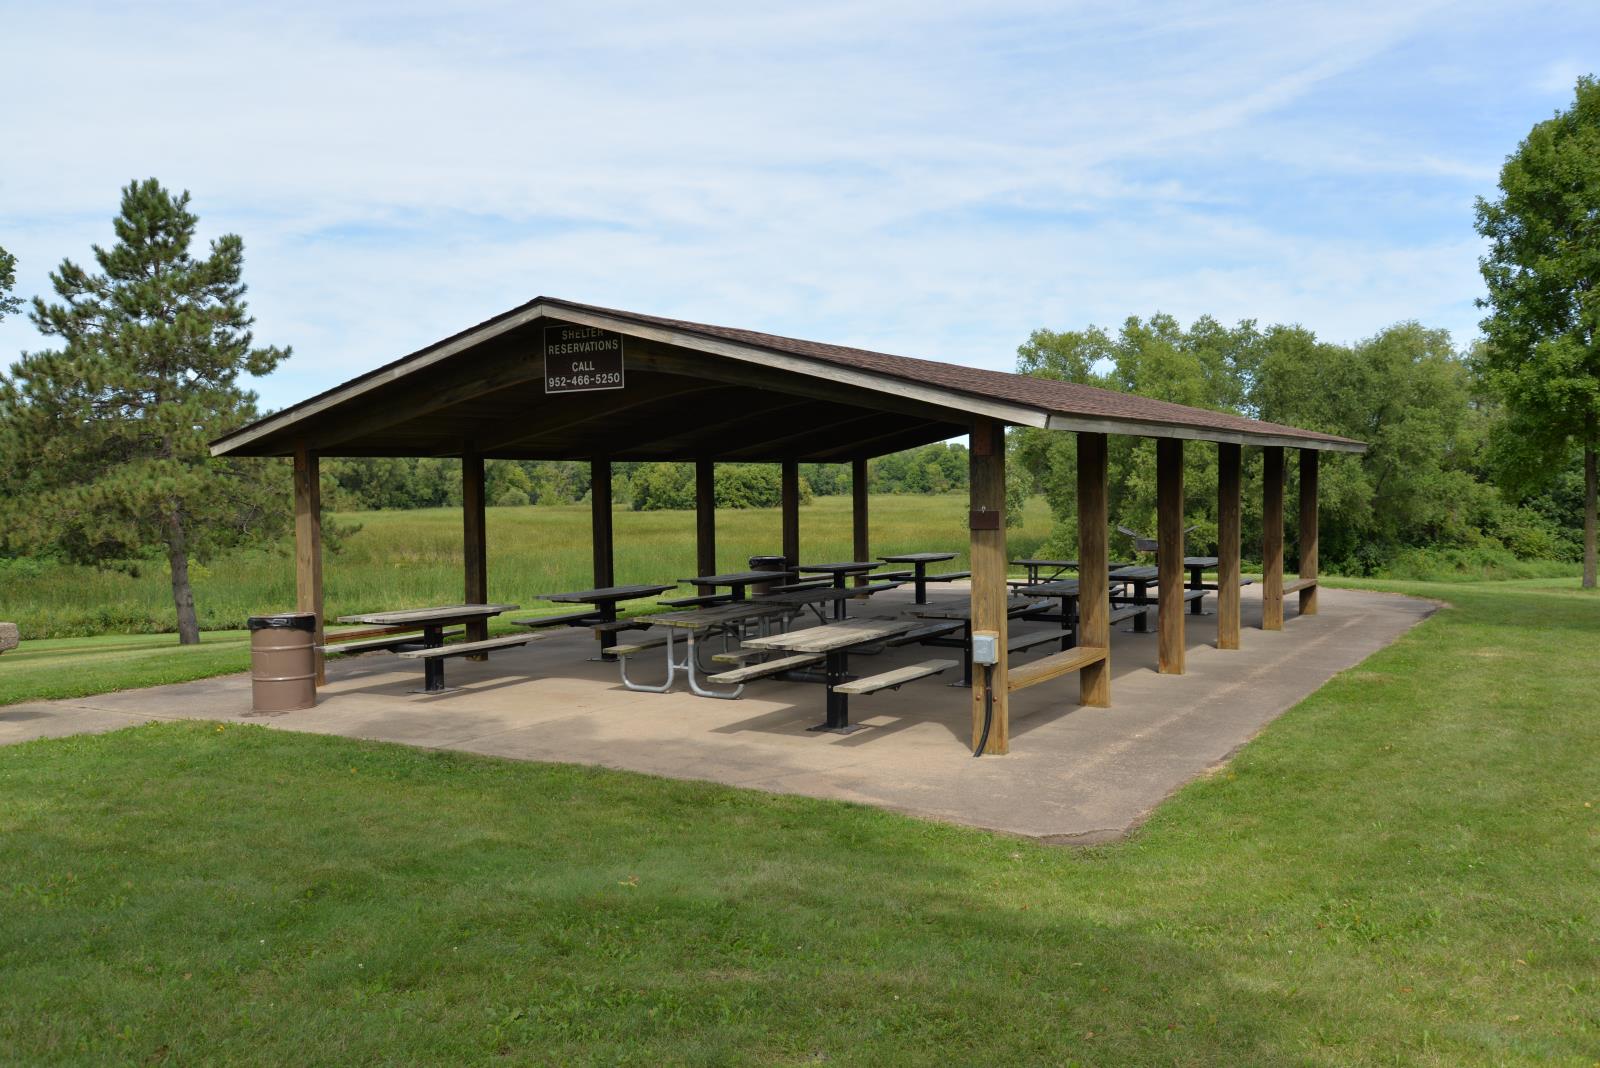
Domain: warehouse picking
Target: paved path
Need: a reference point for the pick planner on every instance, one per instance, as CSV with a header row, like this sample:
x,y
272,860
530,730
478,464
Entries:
x,y
1074,774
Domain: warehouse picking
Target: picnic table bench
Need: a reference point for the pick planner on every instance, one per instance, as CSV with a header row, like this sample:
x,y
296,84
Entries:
x,y
433,623
605,600
832,644
841,573
694,626
919,571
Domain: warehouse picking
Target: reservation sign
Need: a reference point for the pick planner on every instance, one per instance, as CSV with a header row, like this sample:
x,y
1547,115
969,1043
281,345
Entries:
x,y
580,358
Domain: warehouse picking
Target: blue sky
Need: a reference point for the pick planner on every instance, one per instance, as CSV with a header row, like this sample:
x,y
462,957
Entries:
x,y
922,178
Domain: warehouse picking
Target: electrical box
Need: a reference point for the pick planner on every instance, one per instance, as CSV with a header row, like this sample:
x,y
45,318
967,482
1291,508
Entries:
x,y
985,647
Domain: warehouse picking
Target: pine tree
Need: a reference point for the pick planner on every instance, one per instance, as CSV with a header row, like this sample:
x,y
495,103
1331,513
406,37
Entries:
x,y
111,429
8,279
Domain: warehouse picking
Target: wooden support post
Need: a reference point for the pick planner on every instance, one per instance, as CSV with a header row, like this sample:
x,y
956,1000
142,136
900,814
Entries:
x,y
308,544
600,522
1169,555
1272,538
790,507
987,466
1308,528
1094,583
858,514
474,543
705,516
1227,546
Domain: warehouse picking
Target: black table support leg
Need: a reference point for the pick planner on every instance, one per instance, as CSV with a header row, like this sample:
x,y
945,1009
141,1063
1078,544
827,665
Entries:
x,y
1141,590
433,667
921,581
608,638
838,721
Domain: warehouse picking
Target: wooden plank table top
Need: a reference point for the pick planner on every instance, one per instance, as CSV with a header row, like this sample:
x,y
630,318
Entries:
x,y
1014,605
917,558
1137,573
829,637
735,578
607,594
712,617
451,613
841,568
1057,588
1199,561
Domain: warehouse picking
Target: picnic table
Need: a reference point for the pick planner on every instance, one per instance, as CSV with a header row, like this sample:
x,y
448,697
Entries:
x,y
695,625
1016,605
1197,566
833,643
1139,576
841,572
919,575
1034,566
433,622
605,601
736,581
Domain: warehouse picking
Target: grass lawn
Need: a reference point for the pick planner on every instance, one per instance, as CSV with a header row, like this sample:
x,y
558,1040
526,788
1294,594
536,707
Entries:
x,y
1402,870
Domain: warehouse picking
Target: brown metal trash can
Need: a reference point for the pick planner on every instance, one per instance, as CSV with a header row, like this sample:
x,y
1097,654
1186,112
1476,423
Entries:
x,y
283,662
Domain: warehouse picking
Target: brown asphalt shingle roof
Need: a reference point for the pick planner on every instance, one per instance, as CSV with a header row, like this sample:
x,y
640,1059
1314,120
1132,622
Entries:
x,y
1050,396
1064,398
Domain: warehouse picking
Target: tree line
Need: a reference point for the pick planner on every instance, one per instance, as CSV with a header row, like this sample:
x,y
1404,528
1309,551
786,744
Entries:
x,y
1483,455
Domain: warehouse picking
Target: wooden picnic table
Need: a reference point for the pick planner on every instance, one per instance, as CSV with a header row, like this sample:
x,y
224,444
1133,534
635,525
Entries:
x,y
605,600
834,641
841,572
919,570
432,622
694,625
1016,605
1034,566
1139,576
736,581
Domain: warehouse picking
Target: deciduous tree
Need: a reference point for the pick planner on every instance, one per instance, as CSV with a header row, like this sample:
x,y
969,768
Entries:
x,y
1542,354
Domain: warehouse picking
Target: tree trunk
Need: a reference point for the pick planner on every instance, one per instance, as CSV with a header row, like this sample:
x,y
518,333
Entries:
x,y
182,593
1589,521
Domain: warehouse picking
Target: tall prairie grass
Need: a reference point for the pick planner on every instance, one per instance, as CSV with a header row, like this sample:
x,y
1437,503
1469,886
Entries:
x,y
402,559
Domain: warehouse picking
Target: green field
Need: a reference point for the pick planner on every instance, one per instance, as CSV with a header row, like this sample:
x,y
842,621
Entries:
x,y
1400,871
400,559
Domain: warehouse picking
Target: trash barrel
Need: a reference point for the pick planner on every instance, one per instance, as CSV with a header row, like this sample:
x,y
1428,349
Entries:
x,y
765,563
283,662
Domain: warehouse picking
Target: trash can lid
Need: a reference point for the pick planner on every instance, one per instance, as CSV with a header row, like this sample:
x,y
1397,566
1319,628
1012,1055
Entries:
x,y
757,560
283,621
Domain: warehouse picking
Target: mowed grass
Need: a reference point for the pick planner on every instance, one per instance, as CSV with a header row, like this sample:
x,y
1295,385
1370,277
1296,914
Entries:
x,y
1401,870
408,558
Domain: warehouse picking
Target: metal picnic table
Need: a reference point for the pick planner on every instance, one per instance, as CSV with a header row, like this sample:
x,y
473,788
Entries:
x,y
433,622
605,601
1140,576
1016,605
841,572
1197,566
695,624
919,575
834,641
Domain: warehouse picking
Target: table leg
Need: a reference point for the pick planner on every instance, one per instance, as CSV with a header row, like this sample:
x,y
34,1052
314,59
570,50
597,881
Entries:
x,y
920,579
737,588
1141,590
433,667
1196,580
608,638
1066,623
838,605
838,721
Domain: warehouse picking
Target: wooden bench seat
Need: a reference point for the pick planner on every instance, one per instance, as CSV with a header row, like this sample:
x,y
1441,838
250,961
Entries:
x,y
950,576
385,644
894,576
618,625
792,587
702,601
1298,585
654,641
1020,643
470,648
893,680
1118,615
1053,666
738,656
769,667
569,619
926,631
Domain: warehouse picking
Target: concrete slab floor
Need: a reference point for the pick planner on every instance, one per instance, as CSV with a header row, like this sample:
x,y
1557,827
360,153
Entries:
x,y
1074,774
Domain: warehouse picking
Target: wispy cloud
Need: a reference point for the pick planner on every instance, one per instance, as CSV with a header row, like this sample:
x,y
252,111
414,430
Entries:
x,y
932,179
